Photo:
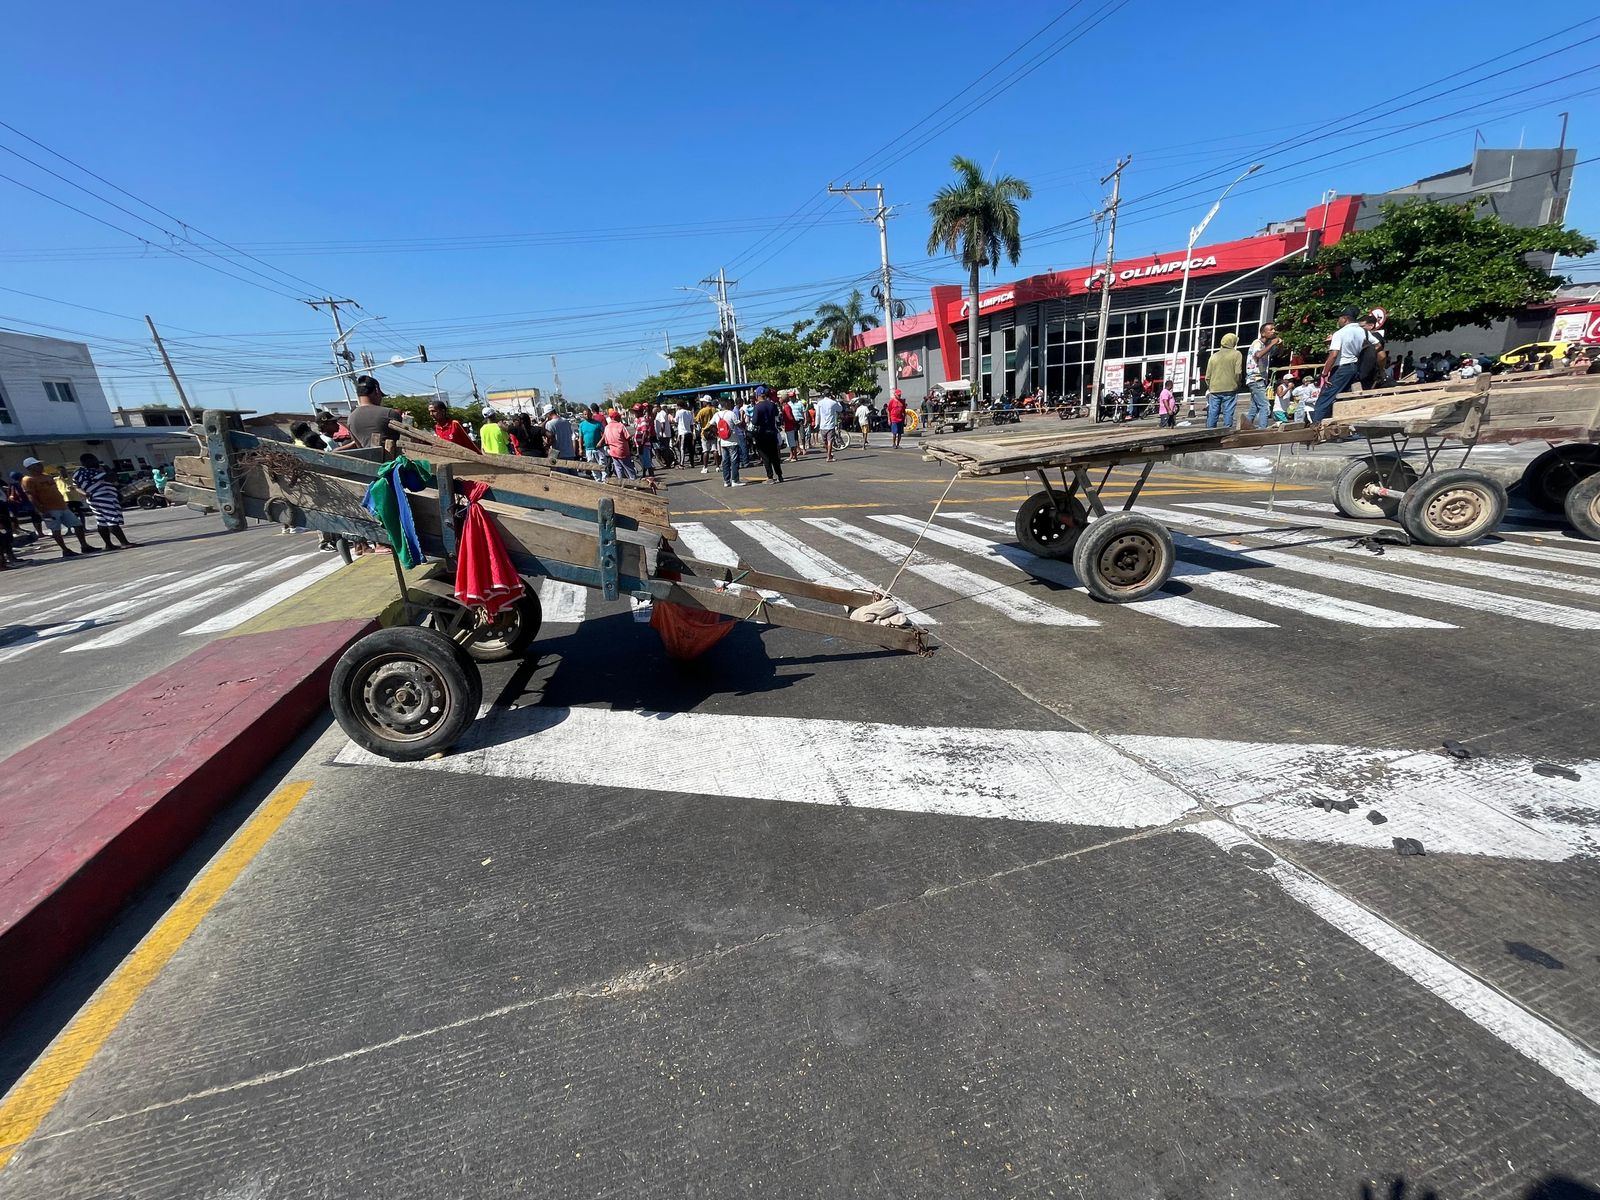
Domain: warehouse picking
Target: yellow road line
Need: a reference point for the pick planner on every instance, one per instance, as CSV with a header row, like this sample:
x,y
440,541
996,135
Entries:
x,y
1109,494
38,1091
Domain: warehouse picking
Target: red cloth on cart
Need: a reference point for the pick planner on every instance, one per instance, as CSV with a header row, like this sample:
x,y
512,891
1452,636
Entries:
x,y
485,576
688,632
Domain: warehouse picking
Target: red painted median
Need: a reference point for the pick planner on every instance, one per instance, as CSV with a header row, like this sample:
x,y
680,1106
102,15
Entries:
x,y
93,812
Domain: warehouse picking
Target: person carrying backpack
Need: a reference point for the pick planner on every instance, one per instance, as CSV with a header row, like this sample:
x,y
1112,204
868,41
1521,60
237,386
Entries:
x,y
729,427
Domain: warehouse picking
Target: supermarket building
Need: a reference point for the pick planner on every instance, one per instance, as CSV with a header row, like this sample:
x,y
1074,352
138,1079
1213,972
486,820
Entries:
x,y
1041,331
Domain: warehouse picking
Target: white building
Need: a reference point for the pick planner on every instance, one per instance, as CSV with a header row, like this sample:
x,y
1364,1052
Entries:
x,y
53,408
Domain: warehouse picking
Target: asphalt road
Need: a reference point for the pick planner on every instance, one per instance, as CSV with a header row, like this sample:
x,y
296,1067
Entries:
x,y
1092,901
75,632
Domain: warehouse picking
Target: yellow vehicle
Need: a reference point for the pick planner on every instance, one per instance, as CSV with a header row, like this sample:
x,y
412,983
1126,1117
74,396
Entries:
x,y
1529,355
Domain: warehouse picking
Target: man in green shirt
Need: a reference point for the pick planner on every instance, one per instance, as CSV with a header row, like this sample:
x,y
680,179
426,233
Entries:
x,y
491,437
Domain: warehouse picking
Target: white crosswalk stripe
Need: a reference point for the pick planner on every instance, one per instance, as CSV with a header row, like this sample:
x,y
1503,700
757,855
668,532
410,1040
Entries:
x,y
82,620
563,603
234,617
1438,560
968,585
1179,610
120,635
1580,558
33,599
1540,611
1277,595
704,544
815,566
1512,525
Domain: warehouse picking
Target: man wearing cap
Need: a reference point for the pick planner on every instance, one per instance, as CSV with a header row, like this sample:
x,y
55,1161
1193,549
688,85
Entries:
x,y
369,420
492,437
1342,363
51,505
764,423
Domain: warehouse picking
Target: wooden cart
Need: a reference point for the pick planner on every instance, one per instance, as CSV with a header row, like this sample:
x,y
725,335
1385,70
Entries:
x,y
1118,556
1440,500
409,691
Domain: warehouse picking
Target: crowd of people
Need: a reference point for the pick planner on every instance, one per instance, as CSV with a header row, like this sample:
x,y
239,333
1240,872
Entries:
x,y
726,435
35,500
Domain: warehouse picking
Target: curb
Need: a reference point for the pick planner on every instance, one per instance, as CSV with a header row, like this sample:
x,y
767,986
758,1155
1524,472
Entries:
x,y
98,809
1297,467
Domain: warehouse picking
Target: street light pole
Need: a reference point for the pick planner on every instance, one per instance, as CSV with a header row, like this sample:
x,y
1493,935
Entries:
x,y
1188,257
1115,179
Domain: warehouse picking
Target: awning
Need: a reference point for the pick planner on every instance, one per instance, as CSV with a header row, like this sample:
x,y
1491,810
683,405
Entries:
x,y
715,389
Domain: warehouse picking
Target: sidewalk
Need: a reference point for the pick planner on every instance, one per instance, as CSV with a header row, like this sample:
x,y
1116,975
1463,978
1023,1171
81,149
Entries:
x,y
96,810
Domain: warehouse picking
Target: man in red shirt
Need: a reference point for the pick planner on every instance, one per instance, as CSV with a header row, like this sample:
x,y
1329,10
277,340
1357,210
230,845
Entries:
x,y
447,427
897,415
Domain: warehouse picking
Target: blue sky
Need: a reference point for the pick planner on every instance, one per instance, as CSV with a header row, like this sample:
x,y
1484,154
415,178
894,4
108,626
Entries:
x,y
504,181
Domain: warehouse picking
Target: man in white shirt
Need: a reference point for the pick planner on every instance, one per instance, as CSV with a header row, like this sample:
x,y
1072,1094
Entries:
x,y
864,419
1342,363
688,442
829,411
1305,399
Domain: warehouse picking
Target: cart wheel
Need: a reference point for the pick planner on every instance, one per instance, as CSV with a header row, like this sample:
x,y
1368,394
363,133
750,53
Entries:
x,y
347,550
1050,530
511,632
1549,477
1452,508
1352,490
405,692
147,502
1123,557
1583,507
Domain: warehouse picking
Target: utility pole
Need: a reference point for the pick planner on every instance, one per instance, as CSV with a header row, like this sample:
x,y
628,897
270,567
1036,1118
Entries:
x,y
472,375
881,216
1110,210
727,326
347,362
188,413
555,374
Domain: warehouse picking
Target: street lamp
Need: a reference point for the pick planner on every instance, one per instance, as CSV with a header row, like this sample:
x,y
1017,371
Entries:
x,y
1188,257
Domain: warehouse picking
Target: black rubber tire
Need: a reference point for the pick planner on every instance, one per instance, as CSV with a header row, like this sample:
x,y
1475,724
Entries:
x,y
405,693
515,627
1452,508
346,550
147,502
1548,478
1583,507
1350,488
1040,529
1124,557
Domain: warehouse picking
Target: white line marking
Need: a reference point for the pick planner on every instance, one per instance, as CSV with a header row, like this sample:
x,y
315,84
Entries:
x,y
1180,610
1561,554
968,585
815,565
1508,1021
120,635
1436,558
1508,528
563,603
52,595
97,617
1053,775
702,543
235,617
1277,595
1559,616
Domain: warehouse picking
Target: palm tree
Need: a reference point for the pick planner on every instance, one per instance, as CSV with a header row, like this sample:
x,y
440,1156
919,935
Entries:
x,y
841,320
977,219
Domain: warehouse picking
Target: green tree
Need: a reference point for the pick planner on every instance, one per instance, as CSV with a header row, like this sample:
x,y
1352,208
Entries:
x,y
840,321
1430,266
977,219
417,406
696,365
780,357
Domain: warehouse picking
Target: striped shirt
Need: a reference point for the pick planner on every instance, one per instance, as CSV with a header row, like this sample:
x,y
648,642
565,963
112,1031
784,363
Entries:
x,y
102,492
